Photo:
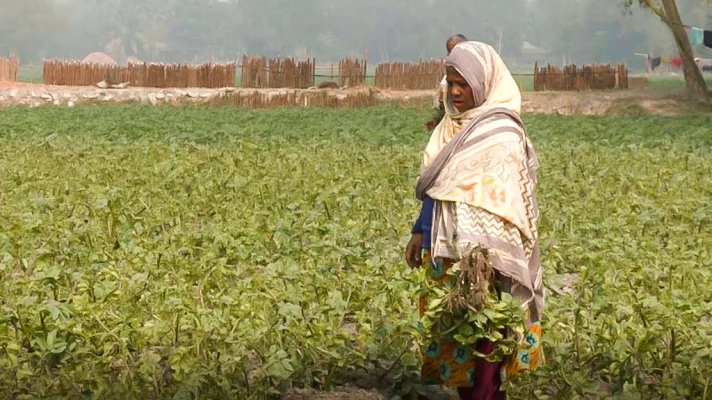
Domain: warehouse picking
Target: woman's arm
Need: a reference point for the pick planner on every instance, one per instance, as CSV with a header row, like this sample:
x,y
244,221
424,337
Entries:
x,y
420,234
425,218
418,227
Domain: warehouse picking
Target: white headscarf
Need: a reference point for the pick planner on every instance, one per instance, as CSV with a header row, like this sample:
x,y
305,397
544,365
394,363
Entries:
x,y
492,87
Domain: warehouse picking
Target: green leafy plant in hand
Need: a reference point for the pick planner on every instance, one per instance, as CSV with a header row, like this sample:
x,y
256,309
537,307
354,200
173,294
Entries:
x,y
469,306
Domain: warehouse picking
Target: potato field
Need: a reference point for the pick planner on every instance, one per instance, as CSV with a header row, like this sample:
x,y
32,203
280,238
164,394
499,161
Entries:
x,y
205,253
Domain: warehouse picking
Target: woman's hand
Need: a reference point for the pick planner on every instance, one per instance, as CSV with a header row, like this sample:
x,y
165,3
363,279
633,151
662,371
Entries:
x,y
414,251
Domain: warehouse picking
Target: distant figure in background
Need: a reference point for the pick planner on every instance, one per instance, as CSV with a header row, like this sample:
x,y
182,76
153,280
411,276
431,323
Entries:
x,y
450,44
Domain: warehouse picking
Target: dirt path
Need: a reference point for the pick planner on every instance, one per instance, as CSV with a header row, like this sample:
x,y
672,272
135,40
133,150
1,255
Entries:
x,y
353,393
564,103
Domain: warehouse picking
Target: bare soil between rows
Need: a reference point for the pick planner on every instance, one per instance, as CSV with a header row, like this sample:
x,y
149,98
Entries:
x,y
637,102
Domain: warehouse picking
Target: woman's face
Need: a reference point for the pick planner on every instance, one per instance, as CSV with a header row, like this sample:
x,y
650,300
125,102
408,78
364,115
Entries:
x,y
459,90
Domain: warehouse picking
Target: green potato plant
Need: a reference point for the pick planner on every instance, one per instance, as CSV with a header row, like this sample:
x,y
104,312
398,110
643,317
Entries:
x,y
225,253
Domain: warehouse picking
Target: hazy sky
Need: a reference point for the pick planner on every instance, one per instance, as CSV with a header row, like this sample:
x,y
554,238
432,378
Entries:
x,y
580,31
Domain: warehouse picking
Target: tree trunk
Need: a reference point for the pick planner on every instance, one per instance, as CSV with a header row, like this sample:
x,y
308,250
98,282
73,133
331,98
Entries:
x,y
694,82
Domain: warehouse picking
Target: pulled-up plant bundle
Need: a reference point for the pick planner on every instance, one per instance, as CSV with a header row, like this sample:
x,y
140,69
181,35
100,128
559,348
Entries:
x,y
470,306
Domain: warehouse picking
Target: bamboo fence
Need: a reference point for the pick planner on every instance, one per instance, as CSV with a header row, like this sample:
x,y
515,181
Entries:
x,y
423,75
296,98
253,72
261,72
9,69
588,77
73,73
352,72
330,72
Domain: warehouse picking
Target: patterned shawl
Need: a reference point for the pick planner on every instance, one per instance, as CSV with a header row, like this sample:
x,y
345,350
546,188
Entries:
x,y
480,167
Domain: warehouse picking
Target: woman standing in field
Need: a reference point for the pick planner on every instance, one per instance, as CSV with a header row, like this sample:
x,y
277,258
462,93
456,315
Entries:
x,y
478,187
